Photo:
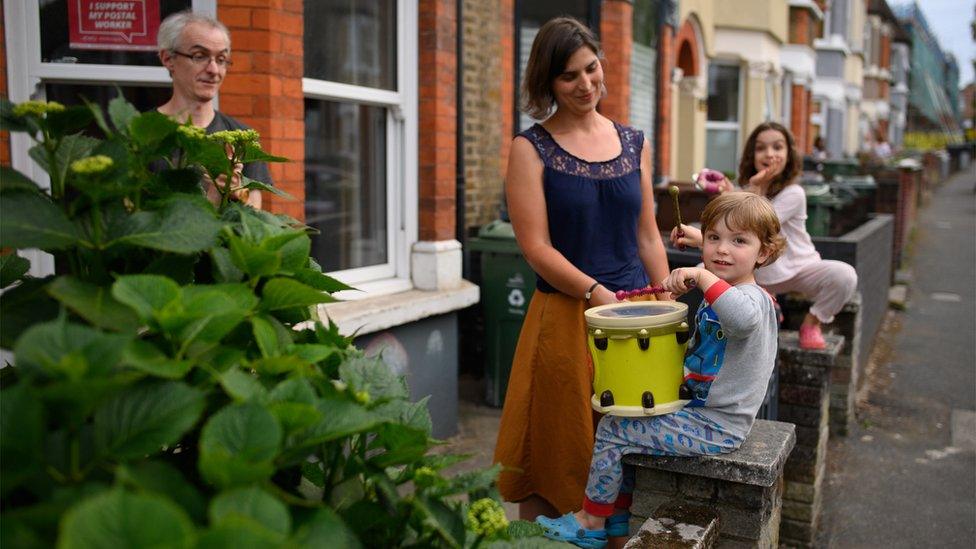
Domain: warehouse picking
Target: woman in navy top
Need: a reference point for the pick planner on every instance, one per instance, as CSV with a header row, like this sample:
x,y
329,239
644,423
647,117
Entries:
x,y
579,195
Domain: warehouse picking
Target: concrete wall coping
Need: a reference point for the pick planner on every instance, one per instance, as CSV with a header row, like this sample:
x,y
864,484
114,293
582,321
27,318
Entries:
x,y
758,462
789,347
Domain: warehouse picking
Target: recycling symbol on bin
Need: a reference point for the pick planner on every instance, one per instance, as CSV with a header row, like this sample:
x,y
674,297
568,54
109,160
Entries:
x,y
516,298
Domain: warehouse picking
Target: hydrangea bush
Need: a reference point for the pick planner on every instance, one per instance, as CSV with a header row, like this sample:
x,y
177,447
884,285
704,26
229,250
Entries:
x,y
171,385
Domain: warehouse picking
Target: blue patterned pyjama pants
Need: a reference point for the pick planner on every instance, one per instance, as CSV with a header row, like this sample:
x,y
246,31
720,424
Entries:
x,y
683,433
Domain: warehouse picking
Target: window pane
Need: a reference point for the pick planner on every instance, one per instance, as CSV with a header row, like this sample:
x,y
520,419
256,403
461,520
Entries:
x,y
55,45
345,183
723,93
720,150
532,15
143,98
643,69
352,42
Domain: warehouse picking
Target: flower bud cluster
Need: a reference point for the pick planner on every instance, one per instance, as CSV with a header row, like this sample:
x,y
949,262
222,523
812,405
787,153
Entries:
x,y
236,137
487,517
92,165
37,108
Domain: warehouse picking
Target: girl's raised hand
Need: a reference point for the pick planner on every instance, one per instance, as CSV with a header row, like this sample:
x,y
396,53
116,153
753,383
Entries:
x,y
686,235
765,176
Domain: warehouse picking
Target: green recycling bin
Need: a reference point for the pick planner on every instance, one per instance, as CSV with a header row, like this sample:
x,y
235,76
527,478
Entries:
x,y
507,284
820,205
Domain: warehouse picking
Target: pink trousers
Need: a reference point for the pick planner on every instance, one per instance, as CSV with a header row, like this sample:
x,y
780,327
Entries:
x,y
827,283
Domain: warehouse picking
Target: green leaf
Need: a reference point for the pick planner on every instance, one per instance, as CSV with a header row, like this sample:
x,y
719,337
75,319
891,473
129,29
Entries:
x,y
21,435
253,503
12,180
93,303
254,153
293,402
277,365
319,281
373,376
223,266
73,351
121,112
146,417
183,224
326,529
31,220
445,521
72,147
265,336
70,120
242,386
151,129
98,116
12,268
236,532
146,294
9,122
251,259
285,293
415,415
181,180
163,479
340,418
311,352
238,445
146,357
295,389
122,519
255,185
23,306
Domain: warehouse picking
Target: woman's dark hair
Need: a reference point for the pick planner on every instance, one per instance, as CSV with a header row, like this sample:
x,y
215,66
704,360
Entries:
x,y
556,42
747,164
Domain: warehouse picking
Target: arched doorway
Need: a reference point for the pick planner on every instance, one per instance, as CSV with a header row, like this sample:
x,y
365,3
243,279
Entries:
x,y
688,111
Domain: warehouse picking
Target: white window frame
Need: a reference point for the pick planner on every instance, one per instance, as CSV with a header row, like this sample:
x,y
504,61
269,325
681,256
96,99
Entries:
x,y
737,125
27,75
401,160
787,99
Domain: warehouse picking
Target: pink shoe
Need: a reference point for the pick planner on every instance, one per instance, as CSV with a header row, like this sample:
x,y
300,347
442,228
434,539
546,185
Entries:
x,y
811,338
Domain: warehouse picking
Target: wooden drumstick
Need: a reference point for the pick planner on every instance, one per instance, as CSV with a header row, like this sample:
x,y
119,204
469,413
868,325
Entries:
x,y
673,190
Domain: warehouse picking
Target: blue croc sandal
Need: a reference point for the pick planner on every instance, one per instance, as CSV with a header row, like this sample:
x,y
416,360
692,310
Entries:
x,y
618,525
567,528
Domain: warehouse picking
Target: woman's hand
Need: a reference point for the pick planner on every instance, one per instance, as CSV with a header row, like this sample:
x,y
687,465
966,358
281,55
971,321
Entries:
x,y
686,235
602,296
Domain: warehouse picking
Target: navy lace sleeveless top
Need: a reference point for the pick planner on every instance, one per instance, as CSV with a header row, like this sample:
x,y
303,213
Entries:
x,y
593,209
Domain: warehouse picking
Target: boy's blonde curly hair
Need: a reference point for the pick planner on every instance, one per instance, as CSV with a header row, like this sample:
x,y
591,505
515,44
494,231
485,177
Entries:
x,y
749,212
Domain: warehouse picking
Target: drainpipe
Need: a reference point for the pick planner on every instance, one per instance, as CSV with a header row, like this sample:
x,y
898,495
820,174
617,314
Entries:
x,y
459,207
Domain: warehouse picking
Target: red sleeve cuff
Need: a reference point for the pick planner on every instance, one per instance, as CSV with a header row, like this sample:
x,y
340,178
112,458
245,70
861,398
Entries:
x,y
716,290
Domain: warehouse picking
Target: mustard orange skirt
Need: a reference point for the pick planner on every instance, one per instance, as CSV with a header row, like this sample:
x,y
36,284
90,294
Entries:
x,y
545,439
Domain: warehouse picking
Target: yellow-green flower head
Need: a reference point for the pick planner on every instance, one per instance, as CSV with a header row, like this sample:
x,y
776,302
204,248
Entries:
x,y
235,137
37,108
362,397
92,165
192,132
424,476
487,517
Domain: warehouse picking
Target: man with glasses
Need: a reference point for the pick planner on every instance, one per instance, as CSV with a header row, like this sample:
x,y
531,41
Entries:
x,y
195,49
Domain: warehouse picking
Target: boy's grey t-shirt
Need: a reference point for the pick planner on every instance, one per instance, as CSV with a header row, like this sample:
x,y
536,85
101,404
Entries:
x,y
748,320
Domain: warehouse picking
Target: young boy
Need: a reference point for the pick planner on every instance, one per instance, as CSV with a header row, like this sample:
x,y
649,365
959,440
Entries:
x,y
727,366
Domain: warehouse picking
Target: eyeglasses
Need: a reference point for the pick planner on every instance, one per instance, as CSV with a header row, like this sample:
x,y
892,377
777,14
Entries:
x,y
203,59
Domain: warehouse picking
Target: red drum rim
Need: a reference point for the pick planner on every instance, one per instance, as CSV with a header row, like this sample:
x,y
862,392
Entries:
x,y
637,314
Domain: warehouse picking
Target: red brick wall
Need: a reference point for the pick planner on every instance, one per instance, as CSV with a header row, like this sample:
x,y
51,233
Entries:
x,y
264,87
801,26
508,92
800,116
616,24
666,60
437,118
4,136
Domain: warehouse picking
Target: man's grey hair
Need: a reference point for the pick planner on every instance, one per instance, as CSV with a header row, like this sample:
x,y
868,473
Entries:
x,y
172,27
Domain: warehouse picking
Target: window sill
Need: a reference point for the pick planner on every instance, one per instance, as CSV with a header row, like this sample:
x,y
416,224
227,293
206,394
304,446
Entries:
x,y
376,313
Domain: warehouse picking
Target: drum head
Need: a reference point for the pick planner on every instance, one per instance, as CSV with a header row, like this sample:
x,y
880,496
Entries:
x,y
640,314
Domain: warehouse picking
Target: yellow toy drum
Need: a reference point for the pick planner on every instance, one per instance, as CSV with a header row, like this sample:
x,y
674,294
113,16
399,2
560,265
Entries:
x,y
638,352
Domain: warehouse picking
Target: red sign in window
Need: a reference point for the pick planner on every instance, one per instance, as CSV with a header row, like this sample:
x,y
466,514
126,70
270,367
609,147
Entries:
x,y
113,24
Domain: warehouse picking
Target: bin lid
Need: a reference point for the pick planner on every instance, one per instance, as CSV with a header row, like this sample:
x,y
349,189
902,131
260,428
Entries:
x,y
816,190
856,181
497,229
637,315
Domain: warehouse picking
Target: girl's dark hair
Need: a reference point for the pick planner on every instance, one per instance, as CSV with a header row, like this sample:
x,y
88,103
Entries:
x,y
556,42
747,164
